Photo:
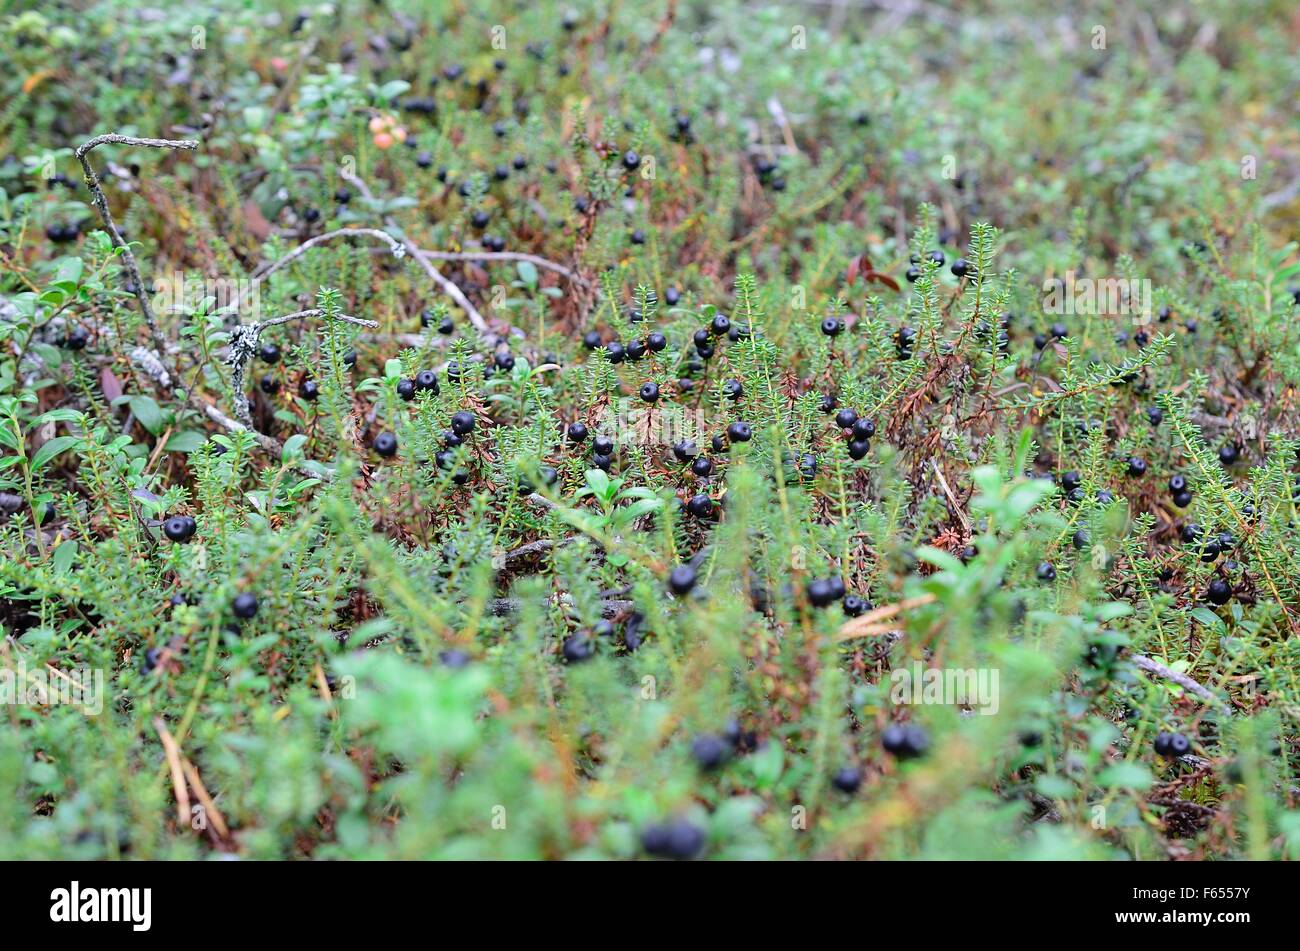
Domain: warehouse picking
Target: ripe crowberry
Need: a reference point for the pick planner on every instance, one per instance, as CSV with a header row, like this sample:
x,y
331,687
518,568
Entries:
x,y
1219,592
700,506
681,580
650,392
180,528
739,432
864,428
386,444
678,839
577,432
904,740
244,606
820,593
709,751
578,648
855,606
847,779
462,423
406,389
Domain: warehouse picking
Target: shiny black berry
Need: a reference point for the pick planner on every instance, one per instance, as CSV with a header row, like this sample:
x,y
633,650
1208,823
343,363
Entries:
x,y
820,593
854,606
462,423
179,528
739,432
1218,592
700,506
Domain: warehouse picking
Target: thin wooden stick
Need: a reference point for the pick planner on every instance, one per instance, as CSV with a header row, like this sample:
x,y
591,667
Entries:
x,y
869,623
100,201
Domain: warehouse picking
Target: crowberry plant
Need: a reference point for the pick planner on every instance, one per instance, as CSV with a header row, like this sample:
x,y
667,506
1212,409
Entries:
x,y
629,428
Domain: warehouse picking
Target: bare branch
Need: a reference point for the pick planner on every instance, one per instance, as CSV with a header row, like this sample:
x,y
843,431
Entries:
x,y
243,344
1157,669
100,201
448,287
545,263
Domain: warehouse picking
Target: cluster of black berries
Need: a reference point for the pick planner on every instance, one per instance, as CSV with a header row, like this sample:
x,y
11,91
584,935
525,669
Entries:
x,y
180,528
426,381
446,325
858,430
905,740
959,267
1182,495
712,750
822,592
61,232
1171,745
675,839
580,646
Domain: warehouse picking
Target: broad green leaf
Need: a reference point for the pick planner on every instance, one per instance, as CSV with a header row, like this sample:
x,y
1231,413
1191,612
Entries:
x,y
51,449
187,440
147,412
